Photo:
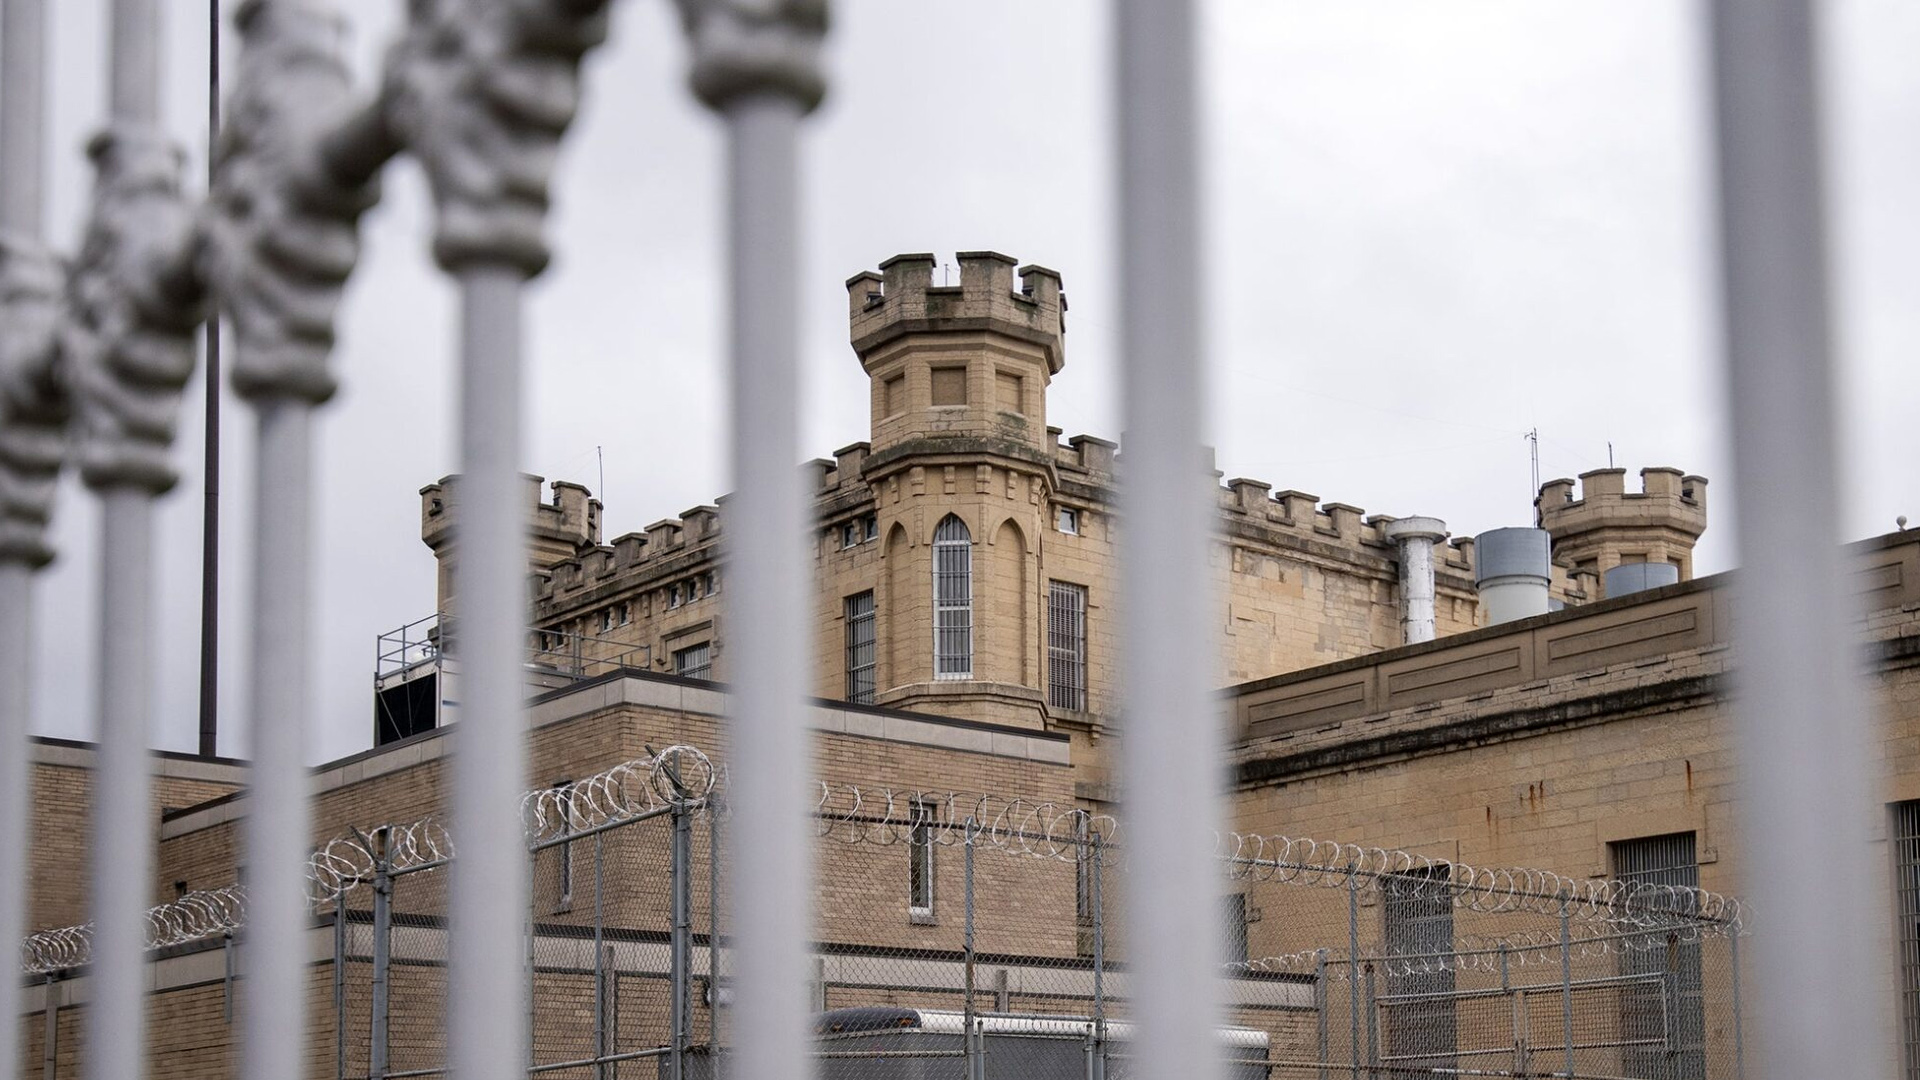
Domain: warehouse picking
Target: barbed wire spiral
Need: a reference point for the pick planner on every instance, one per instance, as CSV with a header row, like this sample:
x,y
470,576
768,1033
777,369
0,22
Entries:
x,y
1604,915
676,775
188,918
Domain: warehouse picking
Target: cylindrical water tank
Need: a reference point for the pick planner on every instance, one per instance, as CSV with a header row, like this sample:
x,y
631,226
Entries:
x,y
1629,578
1512,569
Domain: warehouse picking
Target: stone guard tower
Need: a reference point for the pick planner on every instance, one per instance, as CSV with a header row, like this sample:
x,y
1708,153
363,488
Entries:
x,y
961,452
1609,525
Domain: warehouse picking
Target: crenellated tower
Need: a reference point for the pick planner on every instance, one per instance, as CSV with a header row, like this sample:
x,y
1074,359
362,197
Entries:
x,y
1608,526
962,468
560,530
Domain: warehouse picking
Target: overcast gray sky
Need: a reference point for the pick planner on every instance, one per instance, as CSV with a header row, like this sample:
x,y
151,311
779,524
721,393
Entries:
x,y
1431,227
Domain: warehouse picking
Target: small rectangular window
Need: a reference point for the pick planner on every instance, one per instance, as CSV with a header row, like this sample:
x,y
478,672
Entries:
x,y
1067,520
694,661
1233,913
873,526
1008,386
1067,646
920,858
949,386
860,650
849,534
606,620
626,613
673,597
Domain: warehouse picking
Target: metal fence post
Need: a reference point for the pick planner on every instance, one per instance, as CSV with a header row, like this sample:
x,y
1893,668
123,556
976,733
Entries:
x,y
1353,960
50,1045
1320,1009
382,955
1739,1013
340,988
1099,959
758,67
713,930
32,446
682,933
1566,977
972,1043
1373,1024
599,953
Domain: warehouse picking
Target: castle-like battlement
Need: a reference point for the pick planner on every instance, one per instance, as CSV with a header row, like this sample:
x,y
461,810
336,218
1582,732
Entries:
x,y
1609,525
1667,499
570,521
1334,522
902,299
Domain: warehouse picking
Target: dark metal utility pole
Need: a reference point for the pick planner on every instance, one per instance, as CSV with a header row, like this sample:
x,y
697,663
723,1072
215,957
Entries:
x,y
210,526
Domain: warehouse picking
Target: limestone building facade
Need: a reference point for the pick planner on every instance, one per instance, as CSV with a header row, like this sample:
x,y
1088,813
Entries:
x,y
964,580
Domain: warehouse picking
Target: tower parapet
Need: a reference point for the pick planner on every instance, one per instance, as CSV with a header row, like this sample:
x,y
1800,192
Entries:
x,y
958,368
1609,525
562,529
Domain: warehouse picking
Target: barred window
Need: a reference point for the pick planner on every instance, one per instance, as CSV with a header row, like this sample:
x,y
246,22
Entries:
x,y
1663,1005
1067,646
860,651
920,858
1905,836
1421,1032
1233,917
952,600
694,661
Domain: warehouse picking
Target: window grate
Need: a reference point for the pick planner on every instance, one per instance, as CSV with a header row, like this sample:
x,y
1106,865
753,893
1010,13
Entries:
x,y
1675,1012
1906,854
952,600
1418,921
694,661
1067,646
860,648
920,859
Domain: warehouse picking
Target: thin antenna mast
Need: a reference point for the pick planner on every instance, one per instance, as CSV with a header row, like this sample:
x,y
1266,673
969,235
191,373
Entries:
x,y
1609,453
210,524
600,452
1533,439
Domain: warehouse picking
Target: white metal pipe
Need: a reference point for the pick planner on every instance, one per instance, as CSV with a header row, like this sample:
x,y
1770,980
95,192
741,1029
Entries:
x,y
122,878
16,775
1803,729
23,37
23,112
486,1006
1172,727
1415,537
133,84
278,832
766,596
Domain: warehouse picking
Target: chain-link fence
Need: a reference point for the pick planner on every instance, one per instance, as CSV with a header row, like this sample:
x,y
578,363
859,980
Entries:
x,y
972,938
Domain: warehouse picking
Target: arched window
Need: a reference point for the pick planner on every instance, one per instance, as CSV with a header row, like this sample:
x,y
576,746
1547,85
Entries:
x,y
952,600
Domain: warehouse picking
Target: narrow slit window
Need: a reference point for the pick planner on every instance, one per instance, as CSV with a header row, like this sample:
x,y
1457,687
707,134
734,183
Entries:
x,y
952,600
920,858
860,648
1067,646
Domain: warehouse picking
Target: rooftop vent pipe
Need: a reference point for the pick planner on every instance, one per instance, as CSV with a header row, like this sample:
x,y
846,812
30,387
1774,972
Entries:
x,y
1512,568
1415,537
1629,578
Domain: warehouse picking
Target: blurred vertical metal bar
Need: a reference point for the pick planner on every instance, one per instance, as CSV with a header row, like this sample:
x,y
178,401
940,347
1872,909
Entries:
x,y
1803,729
757,65
122,870
772,848
1172,726
278,830
23,38
487,1005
